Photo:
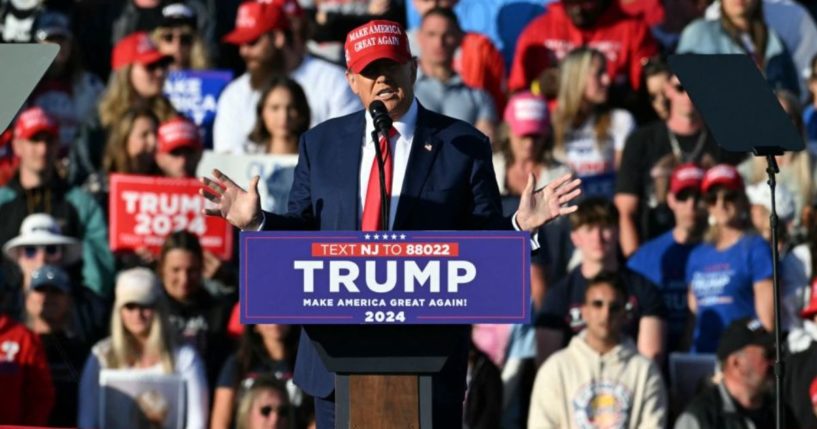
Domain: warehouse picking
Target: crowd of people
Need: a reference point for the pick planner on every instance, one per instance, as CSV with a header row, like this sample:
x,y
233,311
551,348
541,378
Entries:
x,y
666,257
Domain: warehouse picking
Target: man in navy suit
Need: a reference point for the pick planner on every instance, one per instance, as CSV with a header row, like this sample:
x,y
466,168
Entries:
x,y
439,176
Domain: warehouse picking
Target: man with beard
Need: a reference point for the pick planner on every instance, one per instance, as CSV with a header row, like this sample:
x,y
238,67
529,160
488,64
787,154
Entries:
x,y
624,40
743,398
269,47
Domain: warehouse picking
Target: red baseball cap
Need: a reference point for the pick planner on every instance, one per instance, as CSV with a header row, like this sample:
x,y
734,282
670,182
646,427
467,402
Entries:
x,y
33,121
722,175
135,48
685,176
177,133
256,18
375,40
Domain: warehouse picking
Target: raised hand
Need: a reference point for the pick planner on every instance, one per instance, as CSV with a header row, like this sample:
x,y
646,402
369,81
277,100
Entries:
x,y
538,207
239,207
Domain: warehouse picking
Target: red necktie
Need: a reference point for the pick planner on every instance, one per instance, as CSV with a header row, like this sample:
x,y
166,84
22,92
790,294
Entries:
x,y
372,206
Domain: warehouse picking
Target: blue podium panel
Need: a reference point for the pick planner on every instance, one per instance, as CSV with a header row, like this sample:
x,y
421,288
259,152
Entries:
x,y
412,277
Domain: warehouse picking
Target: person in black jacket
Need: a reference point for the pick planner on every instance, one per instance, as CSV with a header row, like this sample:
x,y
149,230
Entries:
x,y
743,399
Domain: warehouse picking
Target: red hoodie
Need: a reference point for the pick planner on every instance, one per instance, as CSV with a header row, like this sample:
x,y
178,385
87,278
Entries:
x,y
27,395
625,41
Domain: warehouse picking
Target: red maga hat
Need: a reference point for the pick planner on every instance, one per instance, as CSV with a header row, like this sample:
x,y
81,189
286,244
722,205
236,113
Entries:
x,y
722,175
686,176
177,133
135,48
256,18
34,121
374,41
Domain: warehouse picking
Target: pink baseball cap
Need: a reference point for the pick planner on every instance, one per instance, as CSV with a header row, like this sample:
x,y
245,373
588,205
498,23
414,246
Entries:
x,y
177,133
722,175
254,19
527,114
686,176
376,40
33,121
135,48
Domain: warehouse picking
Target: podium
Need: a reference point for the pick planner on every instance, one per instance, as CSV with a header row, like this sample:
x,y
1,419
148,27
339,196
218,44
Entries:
x,y
387,315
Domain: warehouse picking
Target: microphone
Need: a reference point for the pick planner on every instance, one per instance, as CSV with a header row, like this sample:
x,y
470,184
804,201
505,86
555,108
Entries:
x,y
382,125
380,116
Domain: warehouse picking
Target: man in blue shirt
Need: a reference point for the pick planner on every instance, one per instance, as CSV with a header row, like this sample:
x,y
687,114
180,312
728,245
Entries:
x,y
663,260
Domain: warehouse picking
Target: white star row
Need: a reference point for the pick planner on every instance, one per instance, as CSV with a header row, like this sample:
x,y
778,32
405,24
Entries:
x,y
384,236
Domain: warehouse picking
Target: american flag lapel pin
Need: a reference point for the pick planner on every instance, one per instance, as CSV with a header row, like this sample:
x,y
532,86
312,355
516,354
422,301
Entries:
x,y
427,147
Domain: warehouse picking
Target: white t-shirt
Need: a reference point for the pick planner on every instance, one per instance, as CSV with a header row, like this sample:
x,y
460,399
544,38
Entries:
x,y
594,161
326,91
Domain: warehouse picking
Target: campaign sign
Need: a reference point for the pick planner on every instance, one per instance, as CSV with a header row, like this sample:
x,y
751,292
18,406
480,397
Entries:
x,y
411,277
194,93
145,209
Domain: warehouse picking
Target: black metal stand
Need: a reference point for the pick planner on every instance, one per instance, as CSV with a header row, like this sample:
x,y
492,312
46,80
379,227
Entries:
x,y
385,201
771,170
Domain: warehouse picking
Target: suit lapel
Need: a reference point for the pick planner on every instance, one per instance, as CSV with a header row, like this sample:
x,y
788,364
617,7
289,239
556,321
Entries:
x,y
347,149
424,149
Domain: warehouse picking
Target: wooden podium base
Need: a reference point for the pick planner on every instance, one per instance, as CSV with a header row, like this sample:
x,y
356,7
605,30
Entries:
x,y
382,401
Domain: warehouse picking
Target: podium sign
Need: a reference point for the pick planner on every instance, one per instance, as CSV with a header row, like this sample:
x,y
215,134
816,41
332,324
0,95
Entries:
x,y
411,277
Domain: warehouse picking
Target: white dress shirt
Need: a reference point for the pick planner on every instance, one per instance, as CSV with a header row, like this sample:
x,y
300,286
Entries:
x,y
400,146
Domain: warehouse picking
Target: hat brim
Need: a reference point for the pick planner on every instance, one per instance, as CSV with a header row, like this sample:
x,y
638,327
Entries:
x,y
71,254
365,60
51,130
240,36
809,312
152,58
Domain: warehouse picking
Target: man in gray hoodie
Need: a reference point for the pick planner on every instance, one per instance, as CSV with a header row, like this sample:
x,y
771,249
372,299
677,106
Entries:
x,y
599,380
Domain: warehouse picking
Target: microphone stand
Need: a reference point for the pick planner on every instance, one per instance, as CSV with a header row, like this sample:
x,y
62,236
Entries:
x,y
385,201
771,170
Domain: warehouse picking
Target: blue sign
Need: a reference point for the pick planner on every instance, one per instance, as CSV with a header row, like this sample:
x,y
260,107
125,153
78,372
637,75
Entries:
x,y
194,93
411,277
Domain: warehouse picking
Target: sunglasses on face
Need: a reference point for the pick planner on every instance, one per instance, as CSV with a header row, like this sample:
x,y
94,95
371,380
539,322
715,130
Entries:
x,y
131,306
50,250
727,196
678,87
157,65
686,194
613,306
185,39
266,410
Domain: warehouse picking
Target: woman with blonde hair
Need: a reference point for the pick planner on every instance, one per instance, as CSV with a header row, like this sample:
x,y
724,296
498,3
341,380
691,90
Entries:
x,y
730,273
177,36
797,169
588,135
137,81
142,341
264,404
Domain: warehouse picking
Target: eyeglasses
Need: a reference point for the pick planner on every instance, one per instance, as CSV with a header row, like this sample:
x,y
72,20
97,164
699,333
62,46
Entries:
x,y
680,88
50,250
613,306
727,196
131,306
185,39
266,410
686,194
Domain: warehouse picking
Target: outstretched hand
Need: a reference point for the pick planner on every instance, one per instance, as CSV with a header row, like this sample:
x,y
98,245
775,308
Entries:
x,y
239,207
538,207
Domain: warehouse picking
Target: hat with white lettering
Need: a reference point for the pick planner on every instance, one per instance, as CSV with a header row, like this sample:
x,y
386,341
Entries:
x,y
40,229
722,175
686,176
376,40
135,48
254,19
527,114
50,275
177,133
136,286
176,14
34,121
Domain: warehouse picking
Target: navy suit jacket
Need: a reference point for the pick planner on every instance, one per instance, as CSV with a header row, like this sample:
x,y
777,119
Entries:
x,y
449,185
